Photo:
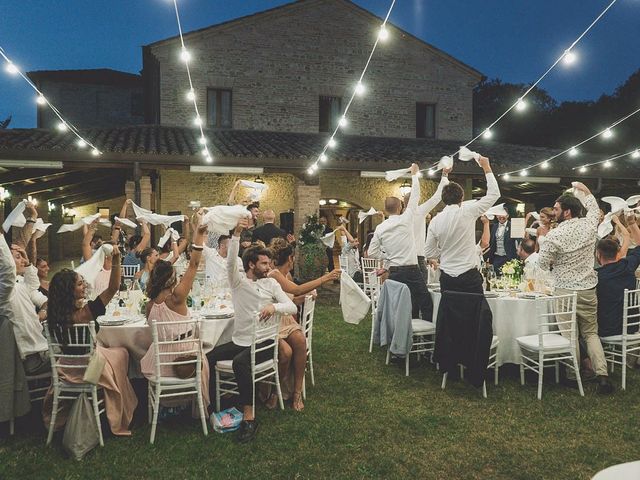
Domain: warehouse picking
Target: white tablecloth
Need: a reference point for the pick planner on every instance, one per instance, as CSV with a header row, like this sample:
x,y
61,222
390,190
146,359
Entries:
x,y
512,318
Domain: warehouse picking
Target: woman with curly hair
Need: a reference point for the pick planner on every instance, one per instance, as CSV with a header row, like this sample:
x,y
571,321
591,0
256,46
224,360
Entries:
x,y
168,303
67,307
544,225
292,344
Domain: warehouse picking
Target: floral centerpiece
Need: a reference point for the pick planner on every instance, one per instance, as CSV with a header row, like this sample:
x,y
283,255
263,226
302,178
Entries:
x,y
311,255
513,271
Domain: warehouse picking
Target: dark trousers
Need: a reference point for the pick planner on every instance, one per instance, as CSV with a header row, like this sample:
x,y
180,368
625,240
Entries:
x,y
498,262
331,266
422,265
469,282
420,299
241,357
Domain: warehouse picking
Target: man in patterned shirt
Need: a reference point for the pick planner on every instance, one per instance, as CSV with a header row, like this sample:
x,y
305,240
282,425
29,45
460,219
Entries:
x,y
569,251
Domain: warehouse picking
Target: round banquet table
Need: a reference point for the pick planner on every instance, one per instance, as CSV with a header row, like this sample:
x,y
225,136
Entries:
x,y
512,318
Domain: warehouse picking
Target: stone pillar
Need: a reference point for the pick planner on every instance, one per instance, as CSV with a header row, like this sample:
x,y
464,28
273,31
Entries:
x,y
145,193
306,200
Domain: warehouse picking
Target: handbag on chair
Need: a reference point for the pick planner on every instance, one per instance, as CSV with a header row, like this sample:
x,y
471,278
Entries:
x,y
94,368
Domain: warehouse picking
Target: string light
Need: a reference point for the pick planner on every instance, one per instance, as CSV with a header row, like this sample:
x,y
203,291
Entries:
x,y
607,133
608,161
431,172
487,134
63,125
186,57
569,57
506,176
521,105
635,154
95,152
545,165
323,157
582,169
607,164
573,151
383,34
524,173
81,143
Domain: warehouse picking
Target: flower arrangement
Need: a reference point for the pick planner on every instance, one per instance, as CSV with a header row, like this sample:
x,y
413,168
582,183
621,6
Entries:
x,y
513,268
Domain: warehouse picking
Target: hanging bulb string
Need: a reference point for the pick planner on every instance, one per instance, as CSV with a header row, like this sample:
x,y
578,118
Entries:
x,y
601,132
46,101
184,52
633,152
353,94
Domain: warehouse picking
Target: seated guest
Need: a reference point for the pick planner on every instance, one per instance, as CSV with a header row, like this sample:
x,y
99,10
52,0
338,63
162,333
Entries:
x,y
136,245
255,297
292,344
168,303
148,257
67,307
43,275
616,273
268,231
502,247
527,251
102,279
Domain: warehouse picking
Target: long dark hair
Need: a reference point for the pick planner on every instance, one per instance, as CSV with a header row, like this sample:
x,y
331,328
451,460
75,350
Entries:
x,y
144,255
62,302
160,278
281,251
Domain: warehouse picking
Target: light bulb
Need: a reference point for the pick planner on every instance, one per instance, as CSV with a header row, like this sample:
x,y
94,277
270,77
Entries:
x,y
323,157
636,154
521,105
191,95
185,56
198,121
360,88
81,143
40,100
524,173
506,176
62,127
11,68
544,164
205,152
95,152
573,152
569,57
607,133
607,164
209,158
203,140
331,143
582,169
343,121
487,134
383,34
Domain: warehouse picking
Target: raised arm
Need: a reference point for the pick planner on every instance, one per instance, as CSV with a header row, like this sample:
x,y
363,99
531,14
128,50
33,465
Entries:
x,y
187,235
626,237
426,207
232,253
485,239
292,288
26,232
114,278
181,291
591,204
634,231
86,240
146,237
414,198
125,207
493,191
342,228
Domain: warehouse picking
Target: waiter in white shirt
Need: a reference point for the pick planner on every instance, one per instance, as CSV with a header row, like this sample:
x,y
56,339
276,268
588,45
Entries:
x,y
395,238
451,235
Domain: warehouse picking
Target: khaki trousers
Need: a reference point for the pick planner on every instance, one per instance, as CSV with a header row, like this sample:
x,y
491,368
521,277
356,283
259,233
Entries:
x,y
587,319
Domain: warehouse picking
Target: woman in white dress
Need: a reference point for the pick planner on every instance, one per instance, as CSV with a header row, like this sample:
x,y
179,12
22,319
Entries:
x,y
542,226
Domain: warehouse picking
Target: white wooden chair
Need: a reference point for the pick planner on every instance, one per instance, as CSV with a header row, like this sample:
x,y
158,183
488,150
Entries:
x,y
81,337
493,363
618,348
552,347
375,296
264,338
38,386
423,340
129,271
637,283
308,311
175,343
369,277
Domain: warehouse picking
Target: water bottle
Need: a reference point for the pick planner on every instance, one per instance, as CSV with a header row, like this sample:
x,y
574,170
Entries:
x,y
195,295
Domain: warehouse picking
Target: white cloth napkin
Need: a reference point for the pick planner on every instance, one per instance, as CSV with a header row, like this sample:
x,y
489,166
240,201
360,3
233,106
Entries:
x,y
354,302
16,217
155,218
222,218
535,215
88,220
392,175
496,210
126,222
445,162
329,239
465,155
532,232
91,268
362,215
606,227
620,205
255,185
343,220
170,233
40,228
579,194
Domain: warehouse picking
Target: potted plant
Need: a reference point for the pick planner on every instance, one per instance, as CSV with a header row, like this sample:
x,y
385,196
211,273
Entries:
x,y
312,253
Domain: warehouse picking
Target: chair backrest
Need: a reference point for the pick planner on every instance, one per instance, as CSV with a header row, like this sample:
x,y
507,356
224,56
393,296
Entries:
x,y
176,339
80,337
557,312
371,263
265,337
308,311
370,281
630,313
637,283
344,264
129,271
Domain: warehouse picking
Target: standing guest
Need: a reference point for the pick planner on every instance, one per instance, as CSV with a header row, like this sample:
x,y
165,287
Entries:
x,y
255,297
268,231
67,307
135,245
43,275
569,250
247,234
616,273
502,247
451,235
544,225
327,229
394,237
216,260
421,213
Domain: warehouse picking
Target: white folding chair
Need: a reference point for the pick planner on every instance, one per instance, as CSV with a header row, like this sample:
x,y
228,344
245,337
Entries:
x,y
637,283
423,340
493,363
618,348
80,337
175,343
555,347
264,338
375,296
369,277
38,386
308,311
129,271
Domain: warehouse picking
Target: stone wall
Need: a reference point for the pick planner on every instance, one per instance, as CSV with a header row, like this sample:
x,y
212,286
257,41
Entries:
x,y
278,64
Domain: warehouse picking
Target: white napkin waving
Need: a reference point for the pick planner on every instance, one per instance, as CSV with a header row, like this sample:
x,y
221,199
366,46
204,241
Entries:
x,y
445,162
362,215
16,217
532,232
606,227
155,218
222,218
40,228
620,205
329,239
255,185
496,210
392,175
535,215
91,268
126,222
88,220
343,220
579,194
354,302
465,155
170,233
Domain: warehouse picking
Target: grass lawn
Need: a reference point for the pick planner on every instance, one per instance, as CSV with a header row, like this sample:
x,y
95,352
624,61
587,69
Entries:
x,y
364,419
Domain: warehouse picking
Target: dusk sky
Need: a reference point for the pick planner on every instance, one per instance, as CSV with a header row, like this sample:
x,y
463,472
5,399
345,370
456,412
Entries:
x,y
515,40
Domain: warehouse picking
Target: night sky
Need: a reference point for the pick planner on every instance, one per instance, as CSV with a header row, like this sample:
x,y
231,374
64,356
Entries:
x,y
515,40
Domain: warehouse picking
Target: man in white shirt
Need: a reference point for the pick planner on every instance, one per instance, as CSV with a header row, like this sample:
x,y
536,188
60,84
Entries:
x,y
419,230
255,297
215,260
394,241
452,235
527,252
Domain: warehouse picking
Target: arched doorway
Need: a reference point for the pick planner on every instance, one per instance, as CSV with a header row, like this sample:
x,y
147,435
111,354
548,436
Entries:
x,y
334,208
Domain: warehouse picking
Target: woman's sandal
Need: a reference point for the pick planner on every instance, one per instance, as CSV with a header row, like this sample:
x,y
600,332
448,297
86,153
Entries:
x,y
297,404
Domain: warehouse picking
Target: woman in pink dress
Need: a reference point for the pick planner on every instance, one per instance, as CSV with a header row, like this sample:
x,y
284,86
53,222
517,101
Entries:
x,y
168,303
67,292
